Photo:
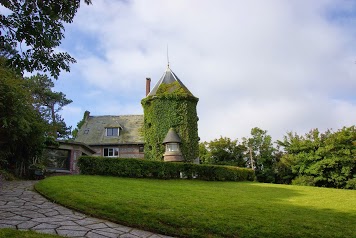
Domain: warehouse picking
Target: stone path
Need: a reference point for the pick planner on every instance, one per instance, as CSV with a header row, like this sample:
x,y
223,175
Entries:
x,y
23,209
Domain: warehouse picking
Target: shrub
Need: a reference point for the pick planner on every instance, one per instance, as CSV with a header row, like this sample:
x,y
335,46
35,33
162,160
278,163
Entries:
x,y
351,184
304,181
6,175
140,168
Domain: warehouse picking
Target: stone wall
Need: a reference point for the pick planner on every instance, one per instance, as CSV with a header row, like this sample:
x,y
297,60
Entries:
x,y
125,151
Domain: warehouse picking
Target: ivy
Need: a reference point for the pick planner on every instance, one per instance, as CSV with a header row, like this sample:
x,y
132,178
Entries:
x,y
80,124
172,107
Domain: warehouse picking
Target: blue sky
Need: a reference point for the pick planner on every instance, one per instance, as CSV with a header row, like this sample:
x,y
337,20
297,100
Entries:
x,y
278,65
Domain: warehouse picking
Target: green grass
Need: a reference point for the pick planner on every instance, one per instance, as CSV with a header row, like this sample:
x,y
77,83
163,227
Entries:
x,y
209,209
12,233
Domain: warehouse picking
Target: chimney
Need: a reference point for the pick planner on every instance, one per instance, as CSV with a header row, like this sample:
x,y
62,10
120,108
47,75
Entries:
x,y
148,86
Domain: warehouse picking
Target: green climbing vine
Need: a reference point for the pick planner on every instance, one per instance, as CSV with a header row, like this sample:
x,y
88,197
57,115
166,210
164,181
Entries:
x,y
172,106
80,124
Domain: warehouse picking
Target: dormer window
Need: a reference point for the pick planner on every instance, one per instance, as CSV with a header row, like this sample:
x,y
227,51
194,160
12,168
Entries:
x,y
112,131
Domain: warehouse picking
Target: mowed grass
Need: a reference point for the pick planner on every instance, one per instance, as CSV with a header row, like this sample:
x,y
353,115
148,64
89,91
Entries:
x,y
12,233
189,208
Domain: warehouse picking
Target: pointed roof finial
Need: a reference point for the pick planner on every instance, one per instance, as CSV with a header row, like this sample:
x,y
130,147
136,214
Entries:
x,y
167,57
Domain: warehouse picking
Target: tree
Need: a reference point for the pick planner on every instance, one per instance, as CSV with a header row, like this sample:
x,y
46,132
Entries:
x,y
323,159
80,124
261,154
21,127
223,151
33,30
49,103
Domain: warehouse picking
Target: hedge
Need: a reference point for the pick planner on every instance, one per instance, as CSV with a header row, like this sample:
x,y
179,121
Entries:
x,y
140,168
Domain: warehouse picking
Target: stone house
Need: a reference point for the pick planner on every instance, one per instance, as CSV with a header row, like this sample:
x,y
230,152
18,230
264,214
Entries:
x,y
126,136
113,136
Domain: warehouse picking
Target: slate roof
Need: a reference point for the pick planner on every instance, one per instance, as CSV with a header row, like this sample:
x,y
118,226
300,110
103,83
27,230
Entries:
x,y
168,77
172,136
93,131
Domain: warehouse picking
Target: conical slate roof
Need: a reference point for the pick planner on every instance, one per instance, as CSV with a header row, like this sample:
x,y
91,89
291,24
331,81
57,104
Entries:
x,y
167,78
172,136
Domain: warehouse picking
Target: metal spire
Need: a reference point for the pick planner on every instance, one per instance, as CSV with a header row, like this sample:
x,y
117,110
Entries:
x,y
167,57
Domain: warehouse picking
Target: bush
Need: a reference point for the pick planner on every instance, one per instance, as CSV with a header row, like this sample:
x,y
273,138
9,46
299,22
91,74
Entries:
x,y
351,184
304,181
5,175
140,168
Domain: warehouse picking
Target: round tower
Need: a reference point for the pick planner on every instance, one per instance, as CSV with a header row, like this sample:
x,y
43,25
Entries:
x,y
170,105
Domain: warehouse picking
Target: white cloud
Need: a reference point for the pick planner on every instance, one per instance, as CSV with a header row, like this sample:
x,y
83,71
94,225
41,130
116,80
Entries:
x,y
279,65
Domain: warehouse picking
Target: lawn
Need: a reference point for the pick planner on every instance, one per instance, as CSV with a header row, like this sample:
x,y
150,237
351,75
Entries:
x,y
12,233
189,208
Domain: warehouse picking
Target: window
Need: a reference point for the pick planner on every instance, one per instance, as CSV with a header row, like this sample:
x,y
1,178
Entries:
x,y
57,159
172,147
140,149
112,131
111,152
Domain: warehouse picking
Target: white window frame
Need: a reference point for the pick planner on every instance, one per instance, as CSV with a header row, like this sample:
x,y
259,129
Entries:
x,y
111,151
172,147
110,128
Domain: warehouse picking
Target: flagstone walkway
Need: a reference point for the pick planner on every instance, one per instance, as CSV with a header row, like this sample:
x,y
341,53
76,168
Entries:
x,y
23,209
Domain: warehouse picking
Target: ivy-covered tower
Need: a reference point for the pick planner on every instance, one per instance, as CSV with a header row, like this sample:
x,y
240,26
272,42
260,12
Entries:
x,y
170,105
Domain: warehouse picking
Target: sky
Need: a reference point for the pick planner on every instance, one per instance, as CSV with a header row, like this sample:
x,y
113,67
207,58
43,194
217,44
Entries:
x,y
278,65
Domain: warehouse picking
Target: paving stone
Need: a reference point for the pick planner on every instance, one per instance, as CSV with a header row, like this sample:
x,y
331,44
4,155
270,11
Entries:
x,y
64,211
65,223
18,218
47,231
97,226
5,214
51,213
128,236
31,214
71,233
21,208
106,234
27,225
87,221
46,204
16,204
141,233
111,230
44,226
10,222
123,228
11,209
74,228
38,202
155,236
112,225
75,216
7,226
48,219
94,235
30,207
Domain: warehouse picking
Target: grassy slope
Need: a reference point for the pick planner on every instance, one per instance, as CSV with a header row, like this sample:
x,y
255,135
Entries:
x,y
210,209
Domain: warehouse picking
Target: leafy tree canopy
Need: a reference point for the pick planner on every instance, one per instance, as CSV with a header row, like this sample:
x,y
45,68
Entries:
x,y
49,103
328,158
223,151
31,32
261,154
22,129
